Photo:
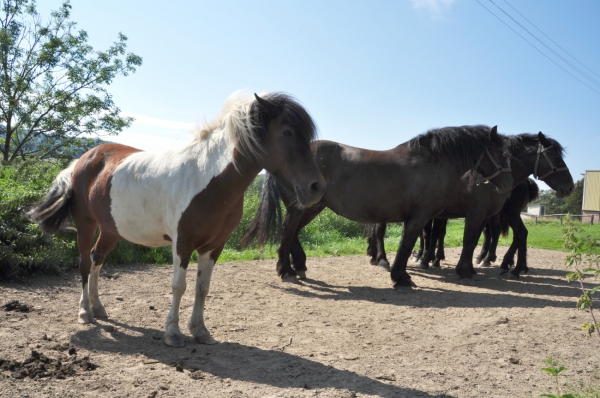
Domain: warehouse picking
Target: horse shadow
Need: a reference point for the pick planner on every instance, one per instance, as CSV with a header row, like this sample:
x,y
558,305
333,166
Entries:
x,y
507,294
228,360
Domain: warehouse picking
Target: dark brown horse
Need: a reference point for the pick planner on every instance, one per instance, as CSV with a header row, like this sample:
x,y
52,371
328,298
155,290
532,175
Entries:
x,y
412,183
532,154
189,197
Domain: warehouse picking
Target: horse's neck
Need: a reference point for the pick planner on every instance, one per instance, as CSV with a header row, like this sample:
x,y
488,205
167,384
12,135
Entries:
x,y
240,173
525,166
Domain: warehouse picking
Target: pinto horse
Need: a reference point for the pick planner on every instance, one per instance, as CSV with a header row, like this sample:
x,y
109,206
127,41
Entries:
x,y
189,197
412,183
531,154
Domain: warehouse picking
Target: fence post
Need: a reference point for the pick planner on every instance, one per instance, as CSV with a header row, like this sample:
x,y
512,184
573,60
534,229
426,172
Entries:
x,y
560,220
535,221
592,220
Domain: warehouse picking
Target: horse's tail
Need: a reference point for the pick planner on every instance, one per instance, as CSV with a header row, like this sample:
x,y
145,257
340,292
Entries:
x,y
534,190
368,230
52,211
266,225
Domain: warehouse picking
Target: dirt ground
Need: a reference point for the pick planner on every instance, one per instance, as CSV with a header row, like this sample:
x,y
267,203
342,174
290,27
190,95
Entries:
x,y
344,332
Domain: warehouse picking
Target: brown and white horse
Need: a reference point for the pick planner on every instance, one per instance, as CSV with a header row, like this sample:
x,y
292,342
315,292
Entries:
x,y
189,197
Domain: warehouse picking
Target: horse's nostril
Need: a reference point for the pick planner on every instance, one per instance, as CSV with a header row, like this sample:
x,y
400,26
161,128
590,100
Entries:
x,y
315,187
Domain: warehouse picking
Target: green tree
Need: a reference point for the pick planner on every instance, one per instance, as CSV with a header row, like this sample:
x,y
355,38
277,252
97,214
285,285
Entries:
x,y
571,204
53,93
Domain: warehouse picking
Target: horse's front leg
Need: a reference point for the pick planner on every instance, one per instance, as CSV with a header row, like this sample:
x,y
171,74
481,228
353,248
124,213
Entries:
x,y
410,232
298,256
173,335
495,231
196,322
520,238
473,229
487,239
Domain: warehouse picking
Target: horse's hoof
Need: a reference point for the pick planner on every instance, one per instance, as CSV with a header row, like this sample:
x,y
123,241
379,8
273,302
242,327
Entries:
x,y
301,274
513,277
384,265
403,289
85,318
485,264
289,278
99,312
503,271
436,264
373,262
476,278
467,281
174,340
206,339
423,265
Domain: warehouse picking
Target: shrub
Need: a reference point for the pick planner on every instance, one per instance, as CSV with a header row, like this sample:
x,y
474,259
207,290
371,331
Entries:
x,y
24,249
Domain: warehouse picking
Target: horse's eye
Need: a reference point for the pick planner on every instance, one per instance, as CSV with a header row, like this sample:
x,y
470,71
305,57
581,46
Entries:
x,y
288,133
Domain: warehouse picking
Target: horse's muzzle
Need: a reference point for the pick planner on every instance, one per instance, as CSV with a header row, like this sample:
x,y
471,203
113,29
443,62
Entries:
x,y
311,194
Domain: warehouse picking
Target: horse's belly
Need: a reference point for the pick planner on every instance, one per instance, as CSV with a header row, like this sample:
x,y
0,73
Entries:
x,y
141,214
144,228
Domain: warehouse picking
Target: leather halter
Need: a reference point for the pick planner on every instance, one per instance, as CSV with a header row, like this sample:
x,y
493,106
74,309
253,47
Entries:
x,y
553,169
498,168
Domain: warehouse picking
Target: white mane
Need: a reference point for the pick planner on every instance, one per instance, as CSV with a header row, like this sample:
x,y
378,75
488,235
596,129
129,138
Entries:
x,y
237,125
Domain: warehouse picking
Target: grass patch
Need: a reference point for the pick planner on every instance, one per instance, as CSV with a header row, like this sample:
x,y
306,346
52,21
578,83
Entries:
x,y
319,241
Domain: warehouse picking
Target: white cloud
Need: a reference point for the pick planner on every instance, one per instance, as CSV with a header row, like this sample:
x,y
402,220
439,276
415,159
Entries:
x,y
435,7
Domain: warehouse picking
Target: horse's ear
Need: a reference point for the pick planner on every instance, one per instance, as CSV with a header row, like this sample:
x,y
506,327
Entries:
x,y
494,133
542,139
267,107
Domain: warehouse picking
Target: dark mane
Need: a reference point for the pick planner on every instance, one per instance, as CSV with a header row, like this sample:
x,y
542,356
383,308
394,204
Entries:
x,y
514,143
462,145
293,111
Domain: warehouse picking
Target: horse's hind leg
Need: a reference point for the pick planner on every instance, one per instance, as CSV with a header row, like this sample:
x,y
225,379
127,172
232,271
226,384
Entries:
x,y
196,322
173,335
381,259
103,246
441,235
86,227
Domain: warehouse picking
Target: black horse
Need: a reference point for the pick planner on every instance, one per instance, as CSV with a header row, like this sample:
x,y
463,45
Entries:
x,y
531,154
413,182
510,216
498,224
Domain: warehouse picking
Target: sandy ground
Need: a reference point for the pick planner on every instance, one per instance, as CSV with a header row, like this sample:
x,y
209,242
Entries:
x,y
344,332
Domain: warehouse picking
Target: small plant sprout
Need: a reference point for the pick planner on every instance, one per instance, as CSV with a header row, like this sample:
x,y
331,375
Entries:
x,y
555,369
584,259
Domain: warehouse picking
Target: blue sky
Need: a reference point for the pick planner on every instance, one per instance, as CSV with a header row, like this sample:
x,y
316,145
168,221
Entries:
x,y
373,74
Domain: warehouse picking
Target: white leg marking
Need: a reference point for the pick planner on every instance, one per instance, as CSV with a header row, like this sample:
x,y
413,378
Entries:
x,y
97,307
173,335
85,310
196,322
